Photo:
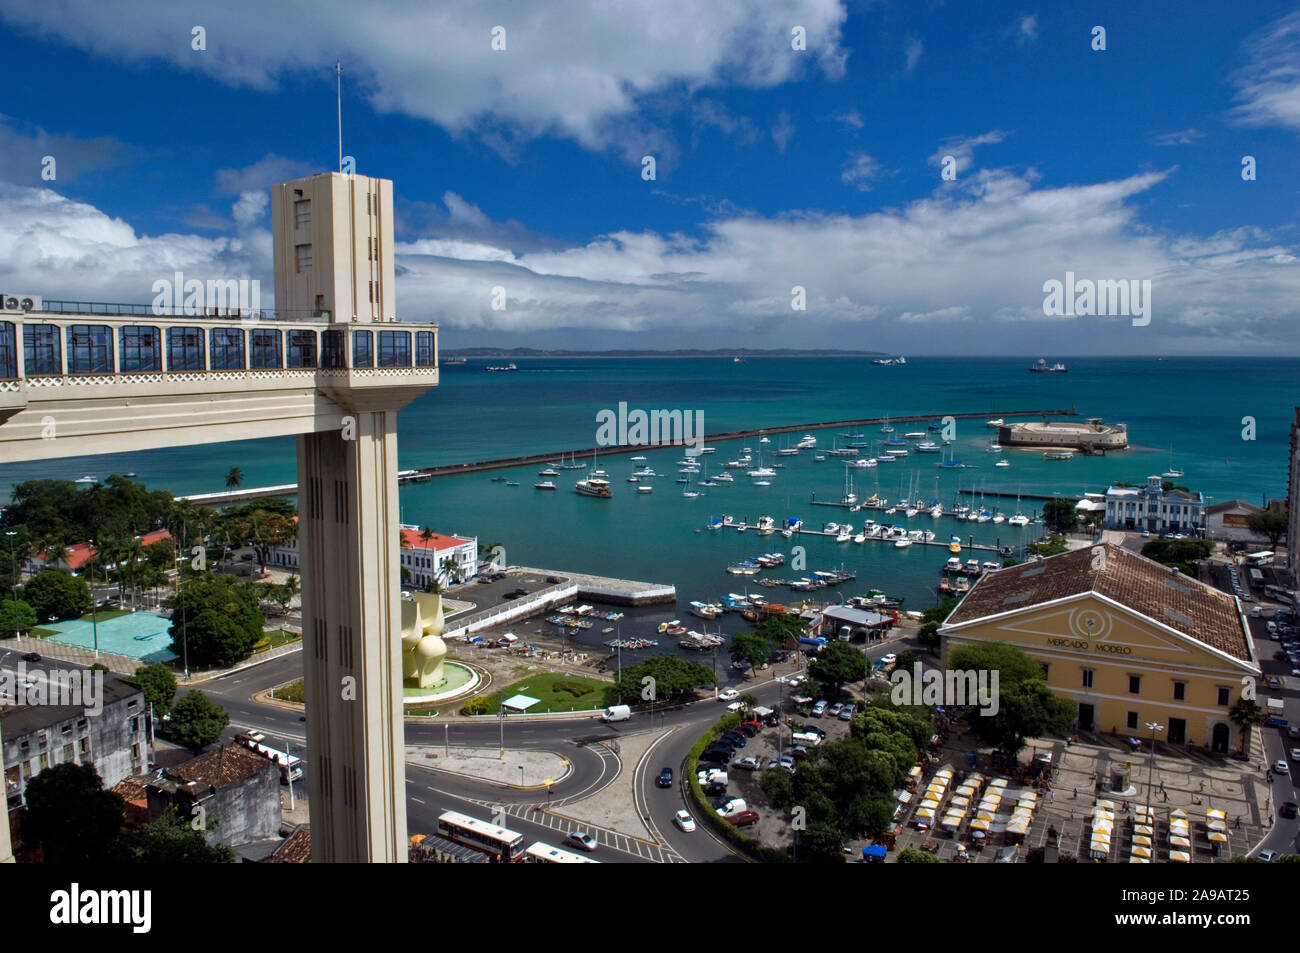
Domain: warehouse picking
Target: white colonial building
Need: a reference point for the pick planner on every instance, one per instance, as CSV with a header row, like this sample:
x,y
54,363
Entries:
x,y
423,559
1153,509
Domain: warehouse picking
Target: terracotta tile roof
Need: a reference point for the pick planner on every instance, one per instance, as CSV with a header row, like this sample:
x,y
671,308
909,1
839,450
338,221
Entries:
x,y
229,764
296,848
411,539
131,789
1143,585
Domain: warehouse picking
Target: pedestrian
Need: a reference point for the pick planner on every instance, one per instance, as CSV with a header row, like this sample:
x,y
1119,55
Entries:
x,y
1076,793
1237,823
1162,787
1052,795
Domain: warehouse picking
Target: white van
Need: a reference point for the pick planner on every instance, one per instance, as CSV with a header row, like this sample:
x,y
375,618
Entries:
x,y
616,713
733,806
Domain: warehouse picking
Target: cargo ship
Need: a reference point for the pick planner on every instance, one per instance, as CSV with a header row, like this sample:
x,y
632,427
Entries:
x,y
1042,367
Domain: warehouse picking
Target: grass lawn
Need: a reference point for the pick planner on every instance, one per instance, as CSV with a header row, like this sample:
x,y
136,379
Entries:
x,y
278,638
292,692
542,685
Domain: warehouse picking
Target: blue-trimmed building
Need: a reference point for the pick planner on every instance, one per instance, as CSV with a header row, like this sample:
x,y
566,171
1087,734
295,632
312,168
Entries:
x,y
1154,509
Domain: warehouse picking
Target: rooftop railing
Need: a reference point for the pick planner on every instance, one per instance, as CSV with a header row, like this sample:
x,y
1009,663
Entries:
x,y
114,309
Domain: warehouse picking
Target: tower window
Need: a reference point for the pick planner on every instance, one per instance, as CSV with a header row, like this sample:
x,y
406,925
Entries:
x,y
302,255
302,213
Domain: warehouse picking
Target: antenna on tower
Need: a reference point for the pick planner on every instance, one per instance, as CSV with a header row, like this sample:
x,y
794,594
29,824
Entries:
x,y
338,69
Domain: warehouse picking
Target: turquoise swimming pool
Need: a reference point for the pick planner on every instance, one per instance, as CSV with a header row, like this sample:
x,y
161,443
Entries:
x,y
141,635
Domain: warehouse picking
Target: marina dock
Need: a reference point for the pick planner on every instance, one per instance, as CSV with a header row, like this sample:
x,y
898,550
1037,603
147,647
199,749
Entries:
x,y
916,542
422,474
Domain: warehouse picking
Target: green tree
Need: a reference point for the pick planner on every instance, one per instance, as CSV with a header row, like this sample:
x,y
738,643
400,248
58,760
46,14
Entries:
x,y
1182,554
837,663
1270,523
16,617
914,855
1060,516
1012,665
778,785
159,686
169,840
197,721
54,592
906,660
71,816
752,648
217,620
820,843
672,676
1026,707
1246,715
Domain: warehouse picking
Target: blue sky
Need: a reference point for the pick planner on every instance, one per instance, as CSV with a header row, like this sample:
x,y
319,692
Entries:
x,y
775,167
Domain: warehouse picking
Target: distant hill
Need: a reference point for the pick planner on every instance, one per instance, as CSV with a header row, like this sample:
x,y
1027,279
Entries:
x,y
520,352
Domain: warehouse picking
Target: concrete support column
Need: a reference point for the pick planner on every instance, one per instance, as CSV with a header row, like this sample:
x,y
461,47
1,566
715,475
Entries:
x,y
6,850
351,618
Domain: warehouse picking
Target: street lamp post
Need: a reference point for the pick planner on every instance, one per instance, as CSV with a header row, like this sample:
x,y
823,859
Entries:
x,y
94,605
1151,770
13,568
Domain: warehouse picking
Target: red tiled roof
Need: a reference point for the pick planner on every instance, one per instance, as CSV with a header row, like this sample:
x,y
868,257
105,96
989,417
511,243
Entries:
x,y
411,539
1143,585
148,539
296,848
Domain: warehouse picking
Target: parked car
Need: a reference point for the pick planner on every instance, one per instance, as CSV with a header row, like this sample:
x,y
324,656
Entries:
x,y
819,709
1267,855
847,711
786,762
738,740
834,710
1272,681
714,788
1295,754
756,725
749,764
581,840
684,820
1293,731
742,818
747,729
32,657
1281,767
728,695
799,753
1288,809
665,779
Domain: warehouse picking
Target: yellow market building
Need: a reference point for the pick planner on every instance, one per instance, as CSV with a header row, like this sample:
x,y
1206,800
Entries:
x,y
1127,639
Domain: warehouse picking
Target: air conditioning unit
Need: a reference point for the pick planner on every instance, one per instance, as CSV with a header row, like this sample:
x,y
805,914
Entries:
x,y
20,302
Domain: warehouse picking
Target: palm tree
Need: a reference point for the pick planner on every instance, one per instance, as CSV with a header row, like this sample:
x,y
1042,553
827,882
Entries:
x,y
448,569
235,478
749,701
1245,714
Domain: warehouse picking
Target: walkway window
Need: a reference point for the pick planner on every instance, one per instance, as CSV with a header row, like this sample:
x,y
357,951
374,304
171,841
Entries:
x,y
140,350
226,348
8,350
42,353
302,349
185,349
394,348
264,348
425,353
363,349
331,349
90,349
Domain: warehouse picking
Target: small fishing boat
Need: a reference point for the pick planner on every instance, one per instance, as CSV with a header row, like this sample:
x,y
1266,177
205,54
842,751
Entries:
x,y
645,488
546,485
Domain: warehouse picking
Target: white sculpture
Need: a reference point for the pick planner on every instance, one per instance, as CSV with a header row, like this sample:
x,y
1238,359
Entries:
x,y
423,649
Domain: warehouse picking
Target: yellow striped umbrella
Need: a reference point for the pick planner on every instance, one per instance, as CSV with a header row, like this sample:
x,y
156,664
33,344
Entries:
x,y
1178,812
1180,857
924,812
1106,805
1217,825
1144,829
986,816
1141,852
1138,860
1142,840
1103,826
979,825
1218,837
1180,842
1215,813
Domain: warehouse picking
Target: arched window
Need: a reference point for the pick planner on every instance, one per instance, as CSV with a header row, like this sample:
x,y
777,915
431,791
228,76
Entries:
x,y
226,347
139,350
185,349
90,349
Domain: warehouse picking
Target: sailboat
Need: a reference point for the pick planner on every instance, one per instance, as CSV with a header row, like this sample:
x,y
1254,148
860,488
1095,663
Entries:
x,y
885,428
1171,473
1019,519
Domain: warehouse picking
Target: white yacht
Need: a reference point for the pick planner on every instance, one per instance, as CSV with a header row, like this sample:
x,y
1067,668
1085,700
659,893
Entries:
x,y
638,459
724,478
806,442
995,447
995,423
1003,463
928,446
937,510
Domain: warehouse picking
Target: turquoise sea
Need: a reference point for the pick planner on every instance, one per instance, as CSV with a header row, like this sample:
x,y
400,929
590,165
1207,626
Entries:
x,y
1189,410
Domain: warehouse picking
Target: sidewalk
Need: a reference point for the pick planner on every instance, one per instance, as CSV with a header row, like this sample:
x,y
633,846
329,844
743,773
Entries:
x,y
521,768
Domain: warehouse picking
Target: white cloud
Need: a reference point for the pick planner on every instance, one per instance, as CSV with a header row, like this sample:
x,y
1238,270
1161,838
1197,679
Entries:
x,y
262,174
1268,87
962,149
23,151
578,68
912,52
849,117
861,170
965,265
1183,137
783,131
1027,29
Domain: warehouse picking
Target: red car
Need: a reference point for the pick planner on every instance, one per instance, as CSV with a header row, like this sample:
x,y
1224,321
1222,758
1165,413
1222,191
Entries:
x,y
757,726
743,818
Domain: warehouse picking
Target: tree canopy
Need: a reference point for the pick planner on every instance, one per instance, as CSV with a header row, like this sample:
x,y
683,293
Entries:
x,y
1060,516
159,686
197,721
217,620
837,663
672,676
752,648
54,592
1026,706
1270,523
70,815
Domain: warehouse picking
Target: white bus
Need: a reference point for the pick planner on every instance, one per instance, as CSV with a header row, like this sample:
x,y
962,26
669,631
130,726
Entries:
x,y
541,853
499,843
290,764
1264,558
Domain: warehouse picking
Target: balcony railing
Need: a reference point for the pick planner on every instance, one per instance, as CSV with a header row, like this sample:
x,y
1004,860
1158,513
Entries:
x,y
111,309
